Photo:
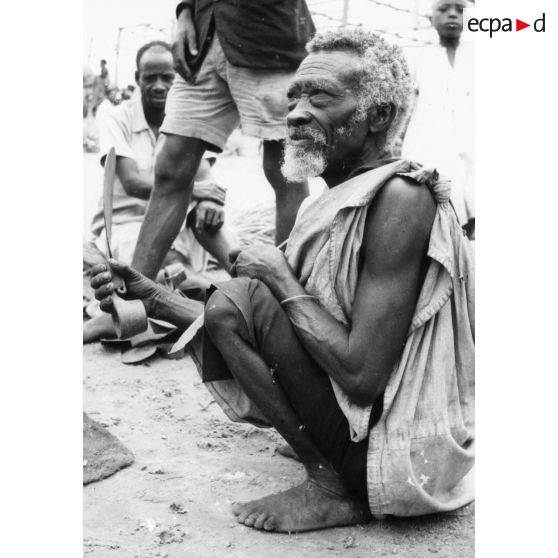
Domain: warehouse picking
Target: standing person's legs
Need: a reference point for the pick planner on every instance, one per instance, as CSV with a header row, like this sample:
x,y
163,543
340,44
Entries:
x,y
295,395
176,165
198,117
261,99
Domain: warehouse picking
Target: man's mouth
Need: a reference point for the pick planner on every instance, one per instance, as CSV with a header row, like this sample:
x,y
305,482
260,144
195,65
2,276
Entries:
x,y
300,140
306,136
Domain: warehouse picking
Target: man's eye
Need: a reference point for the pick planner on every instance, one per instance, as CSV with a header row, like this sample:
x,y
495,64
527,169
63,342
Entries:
x,y
319,99
292,100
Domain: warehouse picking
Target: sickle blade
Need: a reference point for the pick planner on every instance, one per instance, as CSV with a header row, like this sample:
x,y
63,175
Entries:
x,y
108,193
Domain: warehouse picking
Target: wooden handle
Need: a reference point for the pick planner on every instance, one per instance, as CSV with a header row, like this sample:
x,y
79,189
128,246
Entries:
x,y
118,282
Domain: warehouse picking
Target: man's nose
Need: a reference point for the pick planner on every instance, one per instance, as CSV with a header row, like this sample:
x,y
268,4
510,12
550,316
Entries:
x,y
298,117
159,85
453,13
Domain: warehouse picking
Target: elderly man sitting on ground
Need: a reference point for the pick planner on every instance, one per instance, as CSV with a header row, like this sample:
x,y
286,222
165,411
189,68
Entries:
x,y
357,343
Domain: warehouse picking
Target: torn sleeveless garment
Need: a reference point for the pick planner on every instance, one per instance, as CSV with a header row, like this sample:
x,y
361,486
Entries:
x,y
421,452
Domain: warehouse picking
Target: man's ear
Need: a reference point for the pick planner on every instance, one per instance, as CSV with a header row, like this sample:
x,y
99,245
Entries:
x,y
381,117
136,75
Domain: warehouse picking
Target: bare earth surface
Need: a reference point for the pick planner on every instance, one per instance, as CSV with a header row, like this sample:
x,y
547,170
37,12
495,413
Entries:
x,y
191,462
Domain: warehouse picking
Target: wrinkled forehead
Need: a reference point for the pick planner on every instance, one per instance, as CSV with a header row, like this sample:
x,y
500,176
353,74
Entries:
x,y
335,67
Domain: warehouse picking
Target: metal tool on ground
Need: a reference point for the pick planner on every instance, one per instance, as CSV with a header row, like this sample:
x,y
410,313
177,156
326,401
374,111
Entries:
x,y
128,316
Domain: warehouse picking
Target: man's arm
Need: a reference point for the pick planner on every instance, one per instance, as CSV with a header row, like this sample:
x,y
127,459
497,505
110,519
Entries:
x,y
132,181
360,358
159,303
184,4
140,186
186,38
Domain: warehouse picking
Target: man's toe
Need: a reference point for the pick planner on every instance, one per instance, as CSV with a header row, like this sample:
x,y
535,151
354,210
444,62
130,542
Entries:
x,y
251,519
259,523
237,508
269,524
241,517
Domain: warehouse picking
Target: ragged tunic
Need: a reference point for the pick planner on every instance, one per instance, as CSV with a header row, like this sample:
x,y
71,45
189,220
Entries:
x,y
421,452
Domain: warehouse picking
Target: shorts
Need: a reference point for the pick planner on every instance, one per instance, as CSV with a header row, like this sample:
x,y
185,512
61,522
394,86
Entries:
x,y
224,96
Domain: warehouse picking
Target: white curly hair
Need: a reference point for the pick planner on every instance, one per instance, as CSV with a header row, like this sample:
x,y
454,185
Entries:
x,y
383,77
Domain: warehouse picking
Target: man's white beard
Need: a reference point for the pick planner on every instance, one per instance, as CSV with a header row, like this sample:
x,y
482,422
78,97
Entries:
x,y
301,163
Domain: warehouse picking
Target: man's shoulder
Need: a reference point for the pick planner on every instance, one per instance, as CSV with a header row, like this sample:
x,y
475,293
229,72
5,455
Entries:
x,y
406,202
405,190
399,223
124,112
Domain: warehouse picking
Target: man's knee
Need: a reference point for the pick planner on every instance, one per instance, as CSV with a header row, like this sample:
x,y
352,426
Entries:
x,y
177,162
221,317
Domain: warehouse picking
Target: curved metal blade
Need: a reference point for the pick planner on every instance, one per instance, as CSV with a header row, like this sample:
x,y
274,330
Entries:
x,y
108,194
189,334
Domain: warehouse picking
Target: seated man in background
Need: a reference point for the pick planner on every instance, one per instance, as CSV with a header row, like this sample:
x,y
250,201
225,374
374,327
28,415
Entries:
x,y
357,343
132,129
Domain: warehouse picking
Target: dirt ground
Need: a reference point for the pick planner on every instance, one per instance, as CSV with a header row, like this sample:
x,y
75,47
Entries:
x,y
191,462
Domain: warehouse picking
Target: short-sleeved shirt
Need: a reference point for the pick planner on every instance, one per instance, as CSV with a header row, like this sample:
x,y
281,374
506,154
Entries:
x,y
257,34
125,128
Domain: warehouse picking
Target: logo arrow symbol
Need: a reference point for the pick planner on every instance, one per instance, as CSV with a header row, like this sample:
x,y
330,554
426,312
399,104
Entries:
x,y
519,25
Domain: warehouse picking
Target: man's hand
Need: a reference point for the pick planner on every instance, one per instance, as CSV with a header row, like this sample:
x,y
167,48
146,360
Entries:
x,y
185,38
263,261
138,286
469,229
210,216
207,190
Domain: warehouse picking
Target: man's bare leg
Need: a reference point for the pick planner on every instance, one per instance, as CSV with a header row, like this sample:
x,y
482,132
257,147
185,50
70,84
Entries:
x,y
288,195
323,499
176,165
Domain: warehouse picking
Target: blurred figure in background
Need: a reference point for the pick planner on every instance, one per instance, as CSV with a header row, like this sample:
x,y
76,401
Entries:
x,y
112,99
441,128
104,75
90,132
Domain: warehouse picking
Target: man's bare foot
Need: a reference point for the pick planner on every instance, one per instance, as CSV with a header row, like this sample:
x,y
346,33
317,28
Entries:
x,y
303,508
287,451
99,327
